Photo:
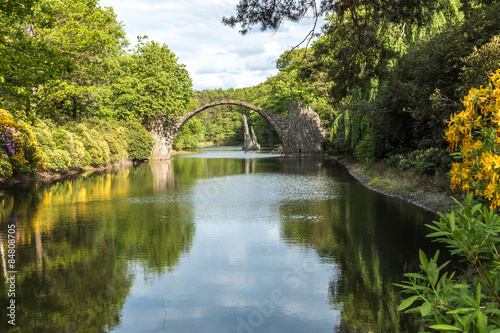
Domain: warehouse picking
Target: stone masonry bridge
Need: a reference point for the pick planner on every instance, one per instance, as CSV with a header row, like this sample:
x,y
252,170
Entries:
x,y
300,132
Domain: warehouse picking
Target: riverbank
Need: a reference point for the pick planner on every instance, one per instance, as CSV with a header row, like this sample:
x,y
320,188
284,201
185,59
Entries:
x,y
429,192
44,177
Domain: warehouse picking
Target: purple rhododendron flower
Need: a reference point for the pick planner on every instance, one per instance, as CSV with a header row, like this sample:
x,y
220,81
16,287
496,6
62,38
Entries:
x,y
7,140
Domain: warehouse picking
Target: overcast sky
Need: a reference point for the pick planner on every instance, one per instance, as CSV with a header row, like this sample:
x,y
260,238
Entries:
x,y
215,55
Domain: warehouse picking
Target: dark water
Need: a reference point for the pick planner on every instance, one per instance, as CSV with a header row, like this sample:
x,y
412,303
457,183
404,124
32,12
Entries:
x,y
222,241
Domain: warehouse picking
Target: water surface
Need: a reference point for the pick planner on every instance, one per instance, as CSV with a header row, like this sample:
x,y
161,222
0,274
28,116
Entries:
x,y
222,241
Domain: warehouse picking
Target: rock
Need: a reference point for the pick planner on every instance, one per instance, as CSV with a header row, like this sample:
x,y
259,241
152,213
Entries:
x,y
250,141
277,150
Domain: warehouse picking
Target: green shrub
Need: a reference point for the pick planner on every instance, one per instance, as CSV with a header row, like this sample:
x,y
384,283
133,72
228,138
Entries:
x,y
444,303
43,134
59,160
365,150
5,167
425,162
53,157
70,142
139,141
114,135
96,148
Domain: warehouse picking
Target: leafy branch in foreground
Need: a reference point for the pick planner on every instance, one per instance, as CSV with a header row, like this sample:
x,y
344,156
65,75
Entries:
x,y
471,305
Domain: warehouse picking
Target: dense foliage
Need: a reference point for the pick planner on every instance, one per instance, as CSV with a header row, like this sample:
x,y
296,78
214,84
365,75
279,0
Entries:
x,y
446,302
67,80
469,302
385,78
45,146
145,84
53,58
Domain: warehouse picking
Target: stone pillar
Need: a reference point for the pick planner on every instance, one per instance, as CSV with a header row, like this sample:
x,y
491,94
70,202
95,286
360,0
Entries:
x,y
250,141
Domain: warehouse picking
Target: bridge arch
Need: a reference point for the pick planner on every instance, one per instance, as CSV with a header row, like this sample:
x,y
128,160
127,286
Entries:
x,y
273,119
300,132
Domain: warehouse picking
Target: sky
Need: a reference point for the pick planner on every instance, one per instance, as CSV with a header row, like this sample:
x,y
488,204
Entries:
x,y
216,56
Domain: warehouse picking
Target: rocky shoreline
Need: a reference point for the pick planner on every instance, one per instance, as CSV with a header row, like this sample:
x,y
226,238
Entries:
x,y
430,193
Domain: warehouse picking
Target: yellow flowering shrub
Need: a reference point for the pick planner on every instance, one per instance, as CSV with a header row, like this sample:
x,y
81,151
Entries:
x,y
5,167
96,148
474,137
18,144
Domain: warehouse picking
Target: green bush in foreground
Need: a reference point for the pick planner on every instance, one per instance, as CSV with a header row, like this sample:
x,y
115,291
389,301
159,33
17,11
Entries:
x,y
472,304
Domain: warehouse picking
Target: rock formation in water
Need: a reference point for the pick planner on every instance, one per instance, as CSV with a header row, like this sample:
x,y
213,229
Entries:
x,y
250,141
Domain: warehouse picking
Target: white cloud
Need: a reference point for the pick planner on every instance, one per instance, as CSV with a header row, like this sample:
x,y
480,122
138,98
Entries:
x,y
215,55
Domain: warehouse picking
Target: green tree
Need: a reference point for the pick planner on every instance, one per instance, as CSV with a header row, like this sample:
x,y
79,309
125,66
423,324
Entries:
x,y
53,58
147,83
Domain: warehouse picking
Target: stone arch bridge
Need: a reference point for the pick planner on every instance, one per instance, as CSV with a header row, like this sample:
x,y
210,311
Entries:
x,y
300,132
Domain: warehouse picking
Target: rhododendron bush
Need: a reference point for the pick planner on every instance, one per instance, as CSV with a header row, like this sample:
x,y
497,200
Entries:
x,y
474,138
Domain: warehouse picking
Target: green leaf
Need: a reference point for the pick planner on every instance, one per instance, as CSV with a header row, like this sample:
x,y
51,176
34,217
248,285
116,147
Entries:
x,y
460,310
413,275
436,256
423,259
438,234
445,327
407,302
433,273
457,235
481,322
413,310
478,293
425,309
476,208
452,222
444,265
460,286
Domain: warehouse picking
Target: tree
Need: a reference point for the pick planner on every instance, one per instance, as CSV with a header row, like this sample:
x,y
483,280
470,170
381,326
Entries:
x,y
146,84
271,14
53,55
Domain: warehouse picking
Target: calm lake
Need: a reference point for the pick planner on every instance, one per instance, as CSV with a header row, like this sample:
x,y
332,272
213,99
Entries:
x,y
221,242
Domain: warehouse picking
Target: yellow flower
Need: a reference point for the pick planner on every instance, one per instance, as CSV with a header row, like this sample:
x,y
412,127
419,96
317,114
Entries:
x,y
468,132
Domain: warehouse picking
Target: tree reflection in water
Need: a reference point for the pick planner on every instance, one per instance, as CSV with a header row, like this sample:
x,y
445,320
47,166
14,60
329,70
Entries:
x,y
79,242
363,233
